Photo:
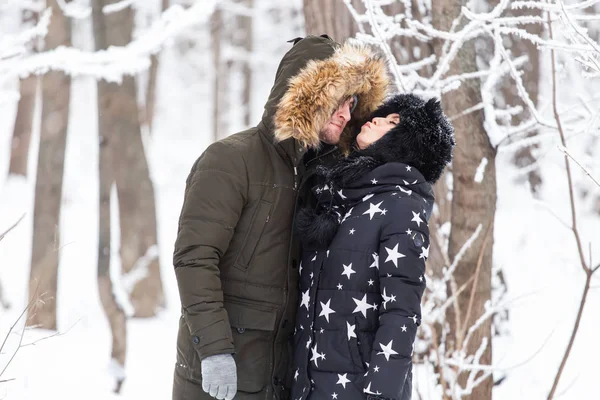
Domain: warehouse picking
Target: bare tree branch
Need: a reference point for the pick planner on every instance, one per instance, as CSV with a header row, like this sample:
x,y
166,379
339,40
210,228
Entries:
x,y
12,227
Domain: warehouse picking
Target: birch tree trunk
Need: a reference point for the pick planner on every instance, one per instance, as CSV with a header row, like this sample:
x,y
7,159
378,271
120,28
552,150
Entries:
x,y
55,87
473,203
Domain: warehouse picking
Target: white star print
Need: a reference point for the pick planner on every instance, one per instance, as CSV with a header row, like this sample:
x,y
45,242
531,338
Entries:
x,y
340,286
352,231
347,214
375,261
296,374
342,380
408,168
370,282
408,231
325,310
403,328
421,278
351,329
362,306
334,395
314,258
308,342
424,252
387,350
376,369
383,212
414,318
300,272
348,270
322,330
368,390
367,197
401,188
387,299
327,253
305,299
311,275
416,218
341,195
373,208
315,355
394,255
374,181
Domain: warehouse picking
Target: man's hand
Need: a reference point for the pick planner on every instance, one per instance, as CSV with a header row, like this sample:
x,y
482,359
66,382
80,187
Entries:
x,y
219,376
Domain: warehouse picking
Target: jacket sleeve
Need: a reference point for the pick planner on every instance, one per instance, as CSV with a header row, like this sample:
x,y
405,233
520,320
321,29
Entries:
x,y
404,245
215,194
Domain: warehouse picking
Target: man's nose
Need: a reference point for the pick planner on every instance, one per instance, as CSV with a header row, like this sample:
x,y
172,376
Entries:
x,y
344,112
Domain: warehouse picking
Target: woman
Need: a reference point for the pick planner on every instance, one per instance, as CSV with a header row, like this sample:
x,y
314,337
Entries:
x,y
363,267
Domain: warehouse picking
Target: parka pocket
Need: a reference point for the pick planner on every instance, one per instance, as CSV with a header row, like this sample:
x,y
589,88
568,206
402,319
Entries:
x,y
252,327
253,235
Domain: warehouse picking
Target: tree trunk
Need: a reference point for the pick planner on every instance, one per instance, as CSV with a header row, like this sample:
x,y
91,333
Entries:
x,y
221,73
329,17
24,121
473,203
119,123
148,117
243,40
107,108
55,88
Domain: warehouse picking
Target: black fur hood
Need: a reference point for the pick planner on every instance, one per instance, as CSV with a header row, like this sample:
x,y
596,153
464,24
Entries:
x,y
411,156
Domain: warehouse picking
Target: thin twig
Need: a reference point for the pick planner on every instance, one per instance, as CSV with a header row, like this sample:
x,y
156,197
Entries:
x,y
51,336
436,349
12,227
475,280
587,269
564,150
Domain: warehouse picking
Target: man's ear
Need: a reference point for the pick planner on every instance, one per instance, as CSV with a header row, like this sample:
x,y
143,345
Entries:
x,y
295,40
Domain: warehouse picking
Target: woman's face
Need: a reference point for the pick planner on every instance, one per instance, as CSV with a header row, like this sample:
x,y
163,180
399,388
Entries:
x,y
373,130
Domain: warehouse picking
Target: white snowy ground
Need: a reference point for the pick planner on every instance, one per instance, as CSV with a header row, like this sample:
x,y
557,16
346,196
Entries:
x,y
536,251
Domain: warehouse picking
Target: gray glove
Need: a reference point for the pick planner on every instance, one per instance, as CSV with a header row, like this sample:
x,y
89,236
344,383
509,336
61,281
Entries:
x,y
219,376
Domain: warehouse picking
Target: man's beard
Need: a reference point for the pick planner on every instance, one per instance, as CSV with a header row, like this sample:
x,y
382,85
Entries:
x,y
329,135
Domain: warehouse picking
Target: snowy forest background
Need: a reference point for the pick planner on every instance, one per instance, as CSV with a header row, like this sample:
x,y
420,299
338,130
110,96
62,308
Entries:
x,y
105,104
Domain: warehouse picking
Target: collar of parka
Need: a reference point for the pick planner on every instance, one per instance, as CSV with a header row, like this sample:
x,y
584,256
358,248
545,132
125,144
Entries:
x,y
313,78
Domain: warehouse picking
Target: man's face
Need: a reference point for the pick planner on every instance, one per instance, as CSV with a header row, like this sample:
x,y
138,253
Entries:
x,y
333,129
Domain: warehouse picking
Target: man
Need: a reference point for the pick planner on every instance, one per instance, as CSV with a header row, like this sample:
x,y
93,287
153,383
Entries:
x,y
236,260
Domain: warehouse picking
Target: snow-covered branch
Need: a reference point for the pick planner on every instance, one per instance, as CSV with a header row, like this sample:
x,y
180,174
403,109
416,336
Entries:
x,y
111,64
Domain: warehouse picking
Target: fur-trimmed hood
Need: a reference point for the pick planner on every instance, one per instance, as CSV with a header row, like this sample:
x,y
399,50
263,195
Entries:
x,y
314,77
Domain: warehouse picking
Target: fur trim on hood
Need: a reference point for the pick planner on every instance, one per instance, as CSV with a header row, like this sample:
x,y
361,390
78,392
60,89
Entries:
x,y
317,90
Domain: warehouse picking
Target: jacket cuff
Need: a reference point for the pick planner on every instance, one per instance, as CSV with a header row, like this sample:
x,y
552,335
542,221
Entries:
x,y
214,339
